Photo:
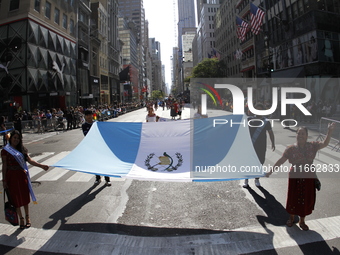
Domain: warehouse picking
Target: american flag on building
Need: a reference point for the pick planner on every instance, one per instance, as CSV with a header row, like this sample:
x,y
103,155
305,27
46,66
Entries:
x,y
256,17
242,28
216,54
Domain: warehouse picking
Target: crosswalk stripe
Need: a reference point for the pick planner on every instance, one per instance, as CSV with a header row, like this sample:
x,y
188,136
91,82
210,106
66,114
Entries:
x,y
80,177
55,173
36,170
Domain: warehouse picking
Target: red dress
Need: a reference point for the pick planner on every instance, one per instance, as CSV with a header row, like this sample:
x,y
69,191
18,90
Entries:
x,y
301,184
17,181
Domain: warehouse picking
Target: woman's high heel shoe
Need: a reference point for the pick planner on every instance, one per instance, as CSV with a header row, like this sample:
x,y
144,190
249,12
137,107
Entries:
x,y
28,221
22,226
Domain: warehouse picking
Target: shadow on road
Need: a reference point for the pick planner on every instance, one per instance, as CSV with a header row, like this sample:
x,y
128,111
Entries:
x,y
276,213
72,207
277,216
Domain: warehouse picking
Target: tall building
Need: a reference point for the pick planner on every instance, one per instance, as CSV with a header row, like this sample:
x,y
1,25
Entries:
x,y
134,11
298,39
157,74
187,39
83,43
206,47
226,41
301,39
128,34
105,58
114,64
174,71
186,19
39,54
99,27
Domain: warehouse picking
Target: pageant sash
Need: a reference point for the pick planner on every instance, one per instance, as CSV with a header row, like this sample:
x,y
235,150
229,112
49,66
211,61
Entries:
x,y
19,157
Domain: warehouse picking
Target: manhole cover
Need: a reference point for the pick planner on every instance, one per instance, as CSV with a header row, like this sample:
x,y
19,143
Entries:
x,y
52,141
35,154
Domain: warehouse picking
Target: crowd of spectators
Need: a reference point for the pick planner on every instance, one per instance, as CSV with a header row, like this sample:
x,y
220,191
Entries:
x,y
43,120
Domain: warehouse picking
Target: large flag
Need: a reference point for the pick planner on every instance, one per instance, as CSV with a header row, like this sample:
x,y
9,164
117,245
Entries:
x,y
256,16
241,29
209,149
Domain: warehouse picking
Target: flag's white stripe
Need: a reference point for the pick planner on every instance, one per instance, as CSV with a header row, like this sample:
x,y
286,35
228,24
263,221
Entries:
x,y
157,140
55,173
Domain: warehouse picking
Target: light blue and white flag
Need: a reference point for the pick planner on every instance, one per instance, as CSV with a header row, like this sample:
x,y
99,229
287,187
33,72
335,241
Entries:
x,y
208,149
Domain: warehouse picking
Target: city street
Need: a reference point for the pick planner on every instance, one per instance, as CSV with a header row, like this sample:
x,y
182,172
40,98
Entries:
x,y
73,216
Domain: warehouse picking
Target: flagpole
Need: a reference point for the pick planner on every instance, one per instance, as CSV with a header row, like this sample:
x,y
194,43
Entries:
x,y
263,9
246,21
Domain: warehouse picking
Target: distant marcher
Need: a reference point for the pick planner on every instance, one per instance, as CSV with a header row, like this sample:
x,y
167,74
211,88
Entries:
x,y
86,128
3,128
43,119
69,118
17,123
258,128
151,116
198,114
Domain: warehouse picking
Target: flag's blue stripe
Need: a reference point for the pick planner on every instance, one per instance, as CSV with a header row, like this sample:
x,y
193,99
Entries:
x,y
108,149
123,139
211,144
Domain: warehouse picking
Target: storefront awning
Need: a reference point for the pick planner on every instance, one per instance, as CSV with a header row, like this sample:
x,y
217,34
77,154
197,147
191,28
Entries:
x,y
247,69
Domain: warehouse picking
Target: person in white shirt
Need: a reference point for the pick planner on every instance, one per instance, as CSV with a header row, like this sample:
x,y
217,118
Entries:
x,y
151,116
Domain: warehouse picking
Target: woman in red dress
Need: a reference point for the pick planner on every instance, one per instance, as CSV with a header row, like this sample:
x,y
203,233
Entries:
x,y
301,184
15,175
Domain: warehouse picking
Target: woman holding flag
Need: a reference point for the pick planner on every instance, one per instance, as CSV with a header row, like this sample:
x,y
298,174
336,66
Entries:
x,y
15,175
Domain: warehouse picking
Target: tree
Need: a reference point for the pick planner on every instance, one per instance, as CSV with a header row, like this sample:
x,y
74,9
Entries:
x,y
209,68
157,94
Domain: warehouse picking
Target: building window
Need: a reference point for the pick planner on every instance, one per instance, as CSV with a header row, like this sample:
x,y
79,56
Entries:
x,y
300,7
295,10
71,26
14,5
48,10
56,15
65,21
37,5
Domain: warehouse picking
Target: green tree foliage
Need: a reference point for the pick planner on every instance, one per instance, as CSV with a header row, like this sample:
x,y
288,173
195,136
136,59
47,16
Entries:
x,y
157,94
209,68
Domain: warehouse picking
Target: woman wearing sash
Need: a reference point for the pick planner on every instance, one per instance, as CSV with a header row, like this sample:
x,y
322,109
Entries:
x,y
15,175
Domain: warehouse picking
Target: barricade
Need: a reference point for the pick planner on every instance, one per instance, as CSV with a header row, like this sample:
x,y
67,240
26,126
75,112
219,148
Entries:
x,y
323,128
37,126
